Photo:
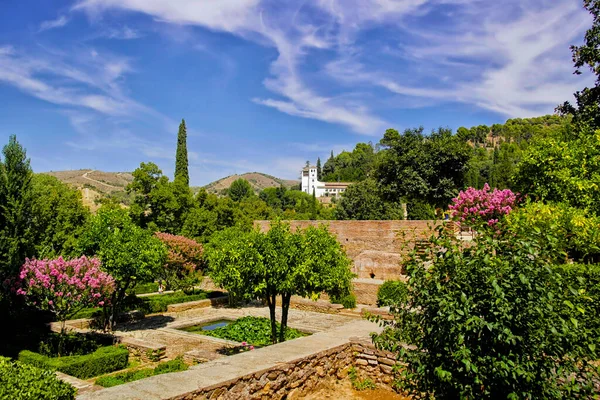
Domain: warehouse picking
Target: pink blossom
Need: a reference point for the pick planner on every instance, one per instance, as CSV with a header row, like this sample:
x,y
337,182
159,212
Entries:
x,y
485,205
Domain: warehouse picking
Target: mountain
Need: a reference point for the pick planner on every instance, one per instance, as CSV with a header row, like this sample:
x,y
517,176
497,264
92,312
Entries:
x,y
257,180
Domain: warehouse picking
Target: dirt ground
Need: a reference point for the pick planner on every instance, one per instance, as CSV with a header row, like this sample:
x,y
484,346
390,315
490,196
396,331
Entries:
x,y
343,390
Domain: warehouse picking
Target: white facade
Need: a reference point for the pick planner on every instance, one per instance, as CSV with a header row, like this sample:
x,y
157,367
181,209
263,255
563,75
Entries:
x,y
310,184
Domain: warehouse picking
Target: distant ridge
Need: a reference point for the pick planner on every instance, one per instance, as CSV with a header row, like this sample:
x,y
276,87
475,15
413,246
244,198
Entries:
x,y
257,180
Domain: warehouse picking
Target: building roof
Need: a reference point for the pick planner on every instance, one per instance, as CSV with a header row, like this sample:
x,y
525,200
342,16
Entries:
x,y
307,168
337,184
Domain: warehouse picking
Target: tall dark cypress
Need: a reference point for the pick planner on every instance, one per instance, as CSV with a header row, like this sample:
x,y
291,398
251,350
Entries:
x,y
181,160
319,168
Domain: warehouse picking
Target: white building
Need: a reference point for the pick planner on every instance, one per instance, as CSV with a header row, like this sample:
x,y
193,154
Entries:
x,y
310,184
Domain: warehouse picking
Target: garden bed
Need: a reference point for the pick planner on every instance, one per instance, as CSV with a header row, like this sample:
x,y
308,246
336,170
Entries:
x,y
175,365
79,355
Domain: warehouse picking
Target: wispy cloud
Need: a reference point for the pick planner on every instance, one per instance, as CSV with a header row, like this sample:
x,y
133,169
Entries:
x,y
55,23
124,33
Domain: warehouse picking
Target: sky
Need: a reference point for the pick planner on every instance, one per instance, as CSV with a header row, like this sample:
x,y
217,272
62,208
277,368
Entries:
x,y
265,85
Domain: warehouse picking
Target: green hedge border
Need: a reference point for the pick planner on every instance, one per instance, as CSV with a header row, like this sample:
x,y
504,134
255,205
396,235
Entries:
x,y
104,360
19,381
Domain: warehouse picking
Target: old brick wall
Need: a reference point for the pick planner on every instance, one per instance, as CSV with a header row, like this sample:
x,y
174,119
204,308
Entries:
x,y
375,247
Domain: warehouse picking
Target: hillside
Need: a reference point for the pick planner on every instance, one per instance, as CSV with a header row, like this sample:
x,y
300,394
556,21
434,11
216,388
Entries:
x,y
257,180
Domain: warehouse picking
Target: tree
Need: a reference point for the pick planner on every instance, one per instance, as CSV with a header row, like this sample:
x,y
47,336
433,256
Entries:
x,y
427,168
364,201
181,159
128,253
59,216
240,189
16,212
586,112
489,320
65,287
319,172
184,262
279,263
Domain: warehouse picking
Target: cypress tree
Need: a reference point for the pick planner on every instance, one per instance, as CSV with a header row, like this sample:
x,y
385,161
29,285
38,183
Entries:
x,y
16,209
181,159
319,168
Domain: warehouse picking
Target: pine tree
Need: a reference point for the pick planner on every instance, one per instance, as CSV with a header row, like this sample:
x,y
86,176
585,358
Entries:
x,y
16,211
319,168
181,161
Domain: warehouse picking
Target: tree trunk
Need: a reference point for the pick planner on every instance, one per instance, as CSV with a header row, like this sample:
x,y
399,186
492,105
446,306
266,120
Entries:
x,y
285,306
272,301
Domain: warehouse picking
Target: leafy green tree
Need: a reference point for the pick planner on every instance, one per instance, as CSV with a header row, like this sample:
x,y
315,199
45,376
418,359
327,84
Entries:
x,y
490,320
319,172
586,112
128,253
364,201
181,160
59,217
352,166
240,189
426,168
17,230
279,263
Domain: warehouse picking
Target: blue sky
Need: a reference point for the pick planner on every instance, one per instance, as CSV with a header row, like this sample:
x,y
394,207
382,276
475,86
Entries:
x,y
266,84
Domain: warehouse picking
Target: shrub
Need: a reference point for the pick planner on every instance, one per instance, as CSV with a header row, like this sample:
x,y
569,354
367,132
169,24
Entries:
x,y
392,293
72,344
492,318
143,288
175,365
184,261
348,301
20,381
254,330
476,207
104,360
65,287
159,303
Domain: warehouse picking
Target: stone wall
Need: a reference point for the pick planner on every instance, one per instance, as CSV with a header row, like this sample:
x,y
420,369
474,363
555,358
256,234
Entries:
x,y
301,377
375,247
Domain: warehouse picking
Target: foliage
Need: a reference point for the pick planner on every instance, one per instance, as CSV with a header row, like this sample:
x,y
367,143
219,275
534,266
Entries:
x,y
252,330
294,204
476,207
348,300
364,201
72,344
184,261
159,303
19,381
64,287
360,384
575,232
586,113
16,209
128,253
563,168
174,365
477,325
418,210
143,288
181,158
59,216
347,166
392,293
279,263
104,360
239,190
413,166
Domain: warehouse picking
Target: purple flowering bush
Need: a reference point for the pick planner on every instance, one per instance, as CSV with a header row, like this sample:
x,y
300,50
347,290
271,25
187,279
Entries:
x,y
65,287
480,207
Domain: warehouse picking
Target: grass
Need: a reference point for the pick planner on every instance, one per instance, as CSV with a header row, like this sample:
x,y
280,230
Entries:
x,y
175,365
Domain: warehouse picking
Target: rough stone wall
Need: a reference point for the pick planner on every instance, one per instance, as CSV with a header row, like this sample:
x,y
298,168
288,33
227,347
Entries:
x,y
296,380
375,247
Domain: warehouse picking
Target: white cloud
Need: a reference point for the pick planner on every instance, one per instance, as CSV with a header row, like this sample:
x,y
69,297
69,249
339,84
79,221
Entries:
x,y
55,23
125,33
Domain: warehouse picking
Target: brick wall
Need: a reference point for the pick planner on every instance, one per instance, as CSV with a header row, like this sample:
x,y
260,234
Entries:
x,y
375,247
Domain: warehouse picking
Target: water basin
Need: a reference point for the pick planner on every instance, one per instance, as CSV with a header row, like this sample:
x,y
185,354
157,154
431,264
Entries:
x,y
207,326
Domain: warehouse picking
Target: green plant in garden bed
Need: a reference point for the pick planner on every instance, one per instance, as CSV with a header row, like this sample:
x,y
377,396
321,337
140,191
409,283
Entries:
x,y
392,293
175,365
252,330
103,360
348,301
72,344
19,381
143,288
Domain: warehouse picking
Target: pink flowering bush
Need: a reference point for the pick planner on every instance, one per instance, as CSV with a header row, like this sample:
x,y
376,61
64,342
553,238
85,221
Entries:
x,y
65,287
483,207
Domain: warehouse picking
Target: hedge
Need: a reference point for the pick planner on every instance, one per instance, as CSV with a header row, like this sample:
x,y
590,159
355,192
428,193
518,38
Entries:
x,y
392,293
104,360
348,301
158,303
20,381
142,288
175,365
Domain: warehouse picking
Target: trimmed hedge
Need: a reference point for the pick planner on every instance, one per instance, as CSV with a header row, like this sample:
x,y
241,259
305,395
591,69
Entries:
x,y
104,360
392,293
20,381
158,303
175,365
348,301
142,288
